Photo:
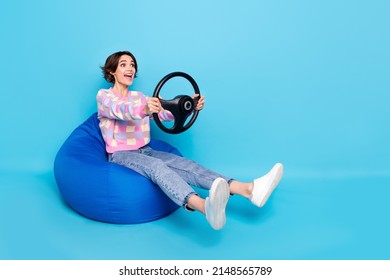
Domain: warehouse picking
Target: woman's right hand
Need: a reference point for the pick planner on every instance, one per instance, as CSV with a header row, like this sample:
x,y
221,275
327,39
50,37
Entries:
x,y
153,106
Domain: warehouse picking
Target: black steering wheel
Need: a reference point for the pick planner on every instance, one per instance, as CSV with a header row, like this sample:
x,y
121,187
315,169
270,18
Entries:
x,y
181,107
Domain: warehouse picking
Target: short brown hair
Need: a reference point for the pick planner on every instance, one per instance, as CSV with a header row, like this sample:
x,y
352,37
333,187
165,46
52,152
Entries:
x,y
112,64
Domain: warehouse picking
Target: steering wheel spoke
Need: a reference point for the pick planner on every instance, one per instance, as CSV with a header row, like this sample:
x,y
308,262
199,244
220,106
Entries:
x,y
179,123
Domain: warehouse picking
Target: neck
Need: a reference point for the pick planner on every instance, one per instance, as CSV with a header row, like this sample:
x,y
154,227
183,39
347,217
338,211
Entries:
x,y
120,89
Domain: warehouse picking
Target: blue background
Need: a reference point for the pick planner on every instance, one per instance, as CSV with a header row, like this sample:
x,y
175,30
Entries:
x,y
302,82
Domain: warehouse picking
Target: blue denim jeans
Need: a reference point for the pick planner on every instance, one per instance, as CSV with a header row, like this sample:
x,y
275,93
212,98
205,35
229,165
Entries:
x,y
173,174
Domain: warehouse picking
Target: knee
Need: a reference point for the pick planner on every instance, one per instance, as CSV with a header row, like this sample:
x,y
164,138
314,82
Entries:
x,y
157,166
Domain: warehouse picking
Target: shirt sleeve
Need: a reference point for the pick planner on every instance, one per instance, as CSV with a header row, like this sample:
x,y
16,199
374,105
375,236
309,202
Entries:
x,y
165,116
111,106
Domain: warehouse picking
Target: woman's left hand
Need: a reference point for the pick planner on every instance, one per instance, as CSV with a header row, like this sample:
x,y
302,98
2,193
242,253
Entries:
x,y
201,101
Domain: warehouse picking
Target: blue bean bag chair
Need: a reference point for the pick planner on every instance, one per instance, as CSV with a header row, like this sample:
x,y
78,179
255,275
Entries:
x,y
106,191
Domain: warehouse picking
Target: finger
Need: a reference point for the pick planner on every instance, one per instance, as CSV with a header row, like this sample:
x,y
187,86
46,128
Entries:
x,y
153,99
199,107
154,105
157,103
154,102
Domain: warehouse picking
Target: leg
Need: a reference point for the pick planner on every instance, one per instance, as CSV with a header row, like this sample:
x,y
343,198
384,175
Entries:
x,y
241,188
191,172
257,191
176,188
155,169
197,203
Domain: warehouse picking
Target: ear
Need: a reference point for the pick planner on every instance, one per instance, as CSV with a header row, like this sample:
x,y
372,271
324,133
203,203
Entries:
x,y
113,77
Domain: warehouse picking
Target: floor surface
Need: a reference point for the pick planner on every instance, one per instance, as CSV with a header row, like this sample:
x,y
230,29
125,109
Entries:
x,y
345,218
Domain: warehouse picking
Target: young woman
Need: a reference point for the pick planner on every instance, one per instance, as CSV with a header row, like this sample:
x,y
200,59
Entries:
x,y
124,122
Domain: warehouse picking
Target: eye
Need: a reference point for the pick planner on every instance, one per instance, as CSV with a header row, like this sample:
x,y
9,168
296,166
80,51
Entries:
x,y
123,65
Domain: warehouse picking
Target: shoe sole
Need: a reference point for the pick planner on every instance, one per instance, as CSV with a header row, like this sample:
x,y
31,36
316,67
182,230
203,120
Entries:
x,y
277,172
219,196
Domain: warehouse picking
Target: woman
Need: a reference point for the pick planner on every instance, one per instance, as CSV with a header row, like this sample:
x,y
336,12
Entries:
x,y
124,122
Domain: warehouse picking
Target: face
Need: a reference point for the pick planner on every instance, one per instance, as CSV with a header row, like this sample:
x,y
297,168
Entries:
x,y
125,71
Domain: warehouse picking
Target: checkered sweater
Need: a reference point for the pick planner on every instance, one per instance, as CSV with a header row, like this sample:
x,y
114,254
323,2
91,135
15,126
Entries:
x,y
123,123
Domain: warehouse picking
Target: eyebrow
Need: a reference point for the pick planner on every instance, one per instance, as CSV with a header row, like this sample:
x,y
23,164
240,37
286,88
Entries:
x,y
124,60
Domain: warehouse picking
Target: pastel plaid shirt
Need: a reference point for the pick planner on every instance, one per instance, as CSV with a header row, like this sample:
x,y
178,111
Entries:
x,y
123,123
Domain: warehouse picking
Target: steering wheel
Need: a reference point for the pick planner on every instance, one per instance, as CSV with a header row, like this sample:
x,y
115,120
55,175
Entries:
x,y
181,107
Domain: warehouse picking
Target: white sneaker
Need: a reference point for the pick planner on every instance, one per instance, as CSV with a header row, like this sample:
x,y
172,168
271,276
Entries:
x,y
265,185
216,203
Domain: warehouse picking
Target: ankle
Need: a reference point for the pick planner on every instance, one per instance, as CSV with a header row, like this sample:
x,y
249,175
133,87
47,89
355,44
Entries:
x,y
196,203
240,188
250,188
